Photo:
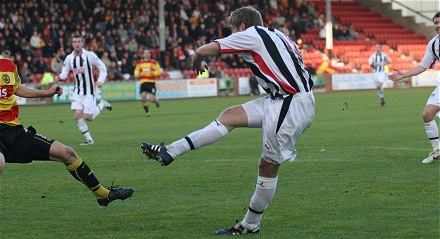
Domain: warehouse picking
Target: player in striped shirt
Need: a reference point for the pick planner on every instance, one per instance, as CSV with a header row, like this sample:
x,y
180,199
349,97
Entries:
x,y
378,61
83,63
24,145
283,115
432,108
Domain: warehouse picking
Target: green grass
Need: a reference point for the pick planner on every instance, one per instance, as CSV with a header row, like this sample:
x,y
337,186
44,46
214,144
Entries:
x,y
358,174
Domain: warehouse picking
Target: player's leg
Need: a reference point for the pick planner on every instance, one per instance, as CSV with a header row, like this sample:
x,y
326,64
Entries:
x,y
77,168
246,115
432,109
29,146
285,121
431,129
143,92
81,172
96,109
153,98
77,108
83,127
2,162
2,155
381,93
91,109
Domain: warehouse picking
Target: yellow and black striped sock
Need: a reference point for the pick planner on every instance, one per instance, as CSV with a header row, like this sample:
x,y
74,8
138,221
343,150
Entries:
x,y
81,172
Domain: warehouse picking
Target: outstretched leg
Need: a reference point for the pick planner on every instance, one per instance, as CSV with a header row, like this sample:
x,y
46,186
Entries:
x,y
228,120
81,172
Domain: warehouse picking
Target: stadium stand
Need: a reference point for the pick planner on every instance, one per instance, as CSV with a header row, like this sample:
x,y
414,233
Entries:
x,y
124,28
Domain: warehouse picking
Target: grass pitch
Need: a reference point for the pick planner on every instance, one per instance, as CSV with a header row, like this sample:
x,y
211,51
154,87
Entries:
x,y
358,174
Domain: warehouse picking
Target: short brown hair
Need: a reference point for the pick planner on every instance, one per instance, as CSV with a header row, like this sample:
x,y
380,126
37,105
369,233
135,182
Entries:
x,y
78,36
247,15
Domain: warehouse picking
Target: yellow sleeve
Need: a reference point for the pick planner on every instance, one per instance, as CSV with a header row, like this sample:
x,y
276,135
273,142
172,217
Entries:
x,y
17,79
157,70
136,71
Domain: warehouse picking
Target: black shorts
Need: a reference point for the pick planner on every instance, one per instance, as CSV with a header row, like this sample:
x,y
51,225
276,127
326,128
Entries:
x,y
149,87
21,145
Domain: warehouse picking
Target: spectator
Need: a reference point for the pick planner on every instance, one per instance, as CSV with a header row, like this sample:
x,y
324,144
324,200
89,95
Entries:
x,y
111,72
189,53
152,40
303,23
126,68
253,83
133,46
122,32
35,41
25,73
49,49
322,33
105,58
40,65
346,34
56,64
119,74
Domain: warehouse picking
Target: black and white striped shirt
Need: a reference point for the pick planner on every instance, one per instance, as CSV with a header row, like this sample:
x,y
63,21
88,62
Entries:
x,y
378,61
273,58
432,54
83,67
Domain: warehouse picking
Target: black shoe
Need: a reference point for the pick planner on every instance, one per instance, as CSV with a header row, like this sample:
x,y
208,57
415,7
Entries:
x,y
382,102
116,193
157,104
238,229
158,152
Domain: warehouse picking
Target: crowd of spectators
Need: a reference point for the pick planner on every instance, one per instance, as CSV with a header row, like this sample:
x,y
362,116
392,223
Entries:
x,y
36,34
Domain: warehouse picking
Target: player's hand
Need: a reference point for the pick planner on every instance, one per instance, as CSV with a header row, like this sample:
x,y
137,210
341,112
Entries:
x,y
55,90
396,76
59,90
98,84
200,68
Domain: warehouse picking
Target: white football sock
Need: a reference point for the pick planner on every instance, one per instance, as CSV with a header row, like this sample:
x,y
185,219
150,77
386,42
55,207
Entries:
x,y
263,194
208,135
432,133
380,92
97,110
82,125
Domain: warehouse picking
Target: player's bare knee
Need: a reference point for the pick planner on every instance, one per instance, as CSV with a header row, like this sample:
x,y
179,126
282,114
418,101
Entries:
x,y
427,116
88,117
69,155
2,163
62,153
226,113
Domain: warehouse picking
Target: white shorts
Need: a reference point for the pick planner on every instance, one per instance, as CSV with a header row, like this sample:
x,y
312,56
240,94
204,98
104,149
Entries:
x,y
281,129
380,77
86,103
434,98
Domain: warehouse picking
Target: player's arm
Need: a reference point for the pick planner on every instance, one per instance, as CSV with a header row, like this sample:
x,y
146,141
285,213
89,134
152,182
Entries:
x,y
370,62
102,70
137,72
210,49
157,70
25,92
400,75
65,70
